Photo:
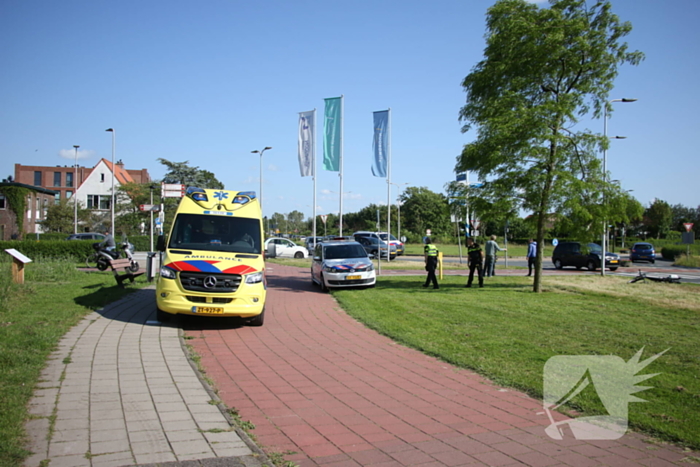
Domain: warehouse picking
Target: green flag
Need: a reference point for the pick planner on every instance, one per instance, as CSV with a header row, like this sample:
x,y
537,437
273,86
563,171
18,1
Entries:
x,y
332,130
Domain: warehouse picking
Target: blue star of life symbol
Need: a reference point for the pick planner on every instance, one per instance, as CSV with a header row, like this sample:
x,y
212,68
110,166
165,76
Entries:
x,y
221,195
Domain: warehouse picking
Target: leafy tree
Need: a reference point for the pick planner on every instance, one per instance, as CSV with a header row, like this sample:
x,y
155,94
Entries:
x,y
683,214
543,69
60,217
131,220
424,209
657,218
180,172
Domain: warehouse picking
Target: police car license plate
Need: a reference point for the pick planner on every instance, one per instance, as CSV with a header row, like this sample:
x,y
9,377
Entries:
x,y
353,278
212,310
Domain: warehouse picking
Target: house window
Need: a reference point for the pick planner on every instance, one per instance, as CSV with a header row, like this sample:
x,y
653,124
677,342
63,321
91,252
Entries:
x,y
2,201
102,177
37,178
101,202
69,194
57,179
57,198
69,179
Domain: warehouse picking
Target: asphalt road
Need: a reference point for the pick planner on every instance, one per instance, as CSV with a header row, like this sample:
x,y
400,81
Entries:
x,y
660,268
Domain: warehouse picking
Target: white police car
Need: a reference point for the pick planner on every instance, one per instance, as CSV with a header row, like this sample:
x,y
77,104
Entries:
x,y
342,264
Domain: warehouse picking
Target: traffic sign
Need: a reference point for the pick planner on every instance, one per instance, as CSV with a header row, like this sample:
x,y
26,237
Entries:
x,y
150,207
324,217
555,242
688,226
172,190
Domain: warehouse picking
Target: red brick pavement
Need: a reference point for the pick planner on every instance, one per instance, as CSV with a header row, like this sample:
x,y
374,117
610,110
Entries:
x,y
335,393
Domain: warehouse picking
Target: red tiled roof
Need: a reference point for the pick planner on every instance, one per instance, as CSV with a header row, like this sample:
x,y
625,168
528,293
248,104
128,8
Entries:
x,y
120,174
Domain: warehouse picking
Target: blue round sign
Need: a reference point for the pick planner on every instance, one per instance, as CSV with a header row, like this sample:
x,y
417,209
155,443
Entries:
x,y
555,242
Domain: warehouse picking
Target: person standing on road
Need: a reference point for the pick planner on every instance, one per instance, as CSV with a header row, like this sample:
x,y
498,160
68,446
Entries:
x,y
475,257
491,249
531,255
431,260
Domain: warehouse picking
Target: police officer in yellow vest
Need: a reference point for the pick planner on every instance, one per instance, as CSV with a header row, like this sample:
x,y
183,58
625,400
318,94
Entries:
x,y
431,261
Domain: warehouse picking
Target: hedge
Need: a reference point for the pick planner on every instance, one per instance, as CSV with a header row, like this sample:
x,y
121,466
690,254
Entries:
x,y
58,249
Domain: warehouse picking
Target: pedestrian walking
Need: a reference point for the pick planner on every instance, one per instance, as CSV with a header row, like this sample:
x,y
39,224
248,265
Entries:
x,y
431,261
475,257
531,255
491,249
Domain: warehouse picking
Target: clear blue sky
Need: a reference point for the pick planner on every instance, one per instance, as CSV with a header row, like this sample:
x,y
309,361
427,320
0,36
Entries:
x,y
208,82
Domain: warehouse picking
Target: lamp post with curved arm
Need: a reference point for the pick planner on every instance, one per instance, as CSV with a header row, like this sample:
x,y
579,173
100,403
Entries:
x,y
75,191
261,173
605,178
114,133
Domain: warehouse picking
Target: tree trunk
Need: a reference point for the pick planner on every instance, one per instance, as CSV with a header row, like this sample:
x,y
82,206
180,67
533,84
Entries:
x,y
542,216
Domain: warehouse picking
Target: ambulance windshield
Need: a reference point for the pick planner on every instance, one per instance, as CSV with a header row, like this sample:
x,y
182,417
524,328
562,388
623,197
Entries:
x,y
216,233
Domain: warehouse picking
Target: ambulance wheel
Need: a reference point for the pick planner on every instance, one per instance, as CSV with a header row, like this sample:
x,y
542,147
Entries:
x,y
162,316
258,320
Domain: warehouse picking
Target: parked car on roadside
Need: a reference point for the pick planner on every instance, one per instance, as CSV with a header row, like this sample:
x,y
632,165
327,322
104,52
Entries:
x,y
580,256
309,243
376,247
338,264
394,241
86,236
643,251
286,248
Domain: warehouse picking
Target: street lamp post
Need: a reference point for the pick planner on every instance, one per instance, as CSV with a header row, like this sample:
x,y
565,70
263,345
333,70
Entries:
x,y
398,204
261,173
75,191
151,187
605,177
111,130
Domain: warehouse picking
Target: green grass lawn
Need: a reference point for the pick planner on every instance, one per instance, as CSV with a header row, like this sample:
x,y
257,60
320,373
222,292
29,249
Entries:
x,y
33,318
507,333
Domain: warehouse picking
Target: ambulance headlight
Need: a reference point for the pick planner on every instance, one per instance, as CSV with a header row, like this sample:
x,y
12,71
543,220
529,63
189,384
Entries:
x,y
167,273
254,278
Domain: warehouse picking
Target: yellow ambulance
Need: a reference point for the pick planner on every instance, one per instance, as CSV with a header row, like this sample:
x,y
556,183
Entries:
x,y
213,262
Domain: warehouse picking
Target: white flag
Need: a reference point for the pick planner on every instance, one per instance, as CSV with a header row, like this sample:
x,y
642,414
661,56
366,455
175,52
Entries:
x,y
307,137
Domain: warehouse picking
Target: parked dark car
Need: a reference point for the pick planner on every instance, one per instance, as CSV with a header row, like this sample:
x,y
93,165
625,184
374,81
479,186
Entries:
x,y
86,236
583,256
643,251
374,246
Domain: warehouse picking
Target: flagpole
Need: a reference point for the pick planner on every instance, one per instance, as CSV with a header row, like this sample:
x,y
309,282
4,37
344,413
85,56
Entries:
x,y
340,174
388,186
313,172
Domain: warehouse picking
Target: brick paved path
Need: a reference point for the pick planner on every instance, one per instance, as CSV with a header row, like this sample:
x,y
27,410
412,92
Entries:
x,y
316,382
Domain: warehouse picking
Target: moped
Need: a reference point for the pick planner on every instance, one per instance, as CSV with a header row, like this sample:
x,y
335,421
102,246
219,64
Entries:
x,y
101,257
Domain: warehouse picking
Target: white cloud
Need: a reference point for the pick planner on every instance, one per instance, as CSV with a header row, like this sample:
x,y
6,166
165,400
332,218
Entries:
x,y
70,154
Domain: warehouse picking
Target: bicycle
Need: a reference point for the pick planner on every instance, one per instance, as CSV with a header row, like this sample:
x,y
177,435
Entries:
x,y
670,279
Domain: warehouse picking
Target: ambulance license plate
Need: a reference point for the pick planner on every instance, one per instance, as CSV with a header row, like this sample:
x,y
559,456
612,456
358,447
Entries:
x,y
212,310
353,278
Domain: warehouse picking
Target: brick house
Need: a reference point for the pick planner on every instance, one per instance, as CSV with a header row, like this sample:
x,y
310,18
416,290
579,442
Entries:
x,y
37,204
64,179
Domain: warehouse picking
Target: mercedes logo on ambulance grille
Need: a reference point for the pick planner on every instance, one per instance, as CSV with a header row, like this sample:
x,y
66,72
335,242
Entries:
x,y
209,282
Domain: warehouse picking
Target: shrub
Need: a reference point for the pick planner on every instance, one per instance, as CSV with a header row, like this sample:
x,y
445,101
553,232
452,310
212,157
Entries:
x,y
671,252
58,249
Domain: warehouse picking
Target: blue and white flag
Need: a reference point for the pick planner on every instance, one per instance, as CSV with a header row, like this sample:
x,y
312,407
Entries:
x,y
380,145
307,146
